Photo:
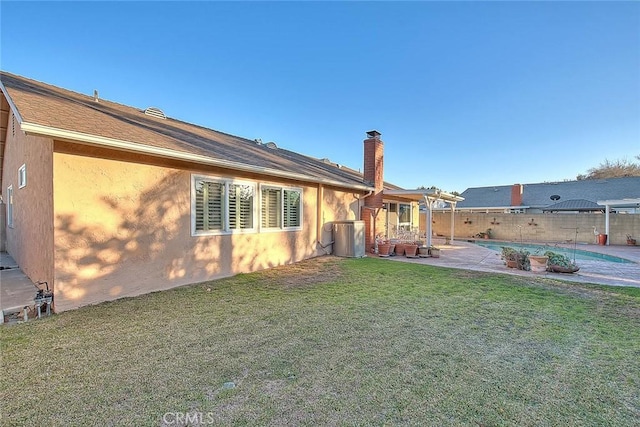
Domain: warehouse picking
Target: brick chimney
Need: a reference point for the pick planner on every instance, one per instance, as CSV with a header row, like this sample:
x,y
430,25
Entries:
x,y
372,213
516,194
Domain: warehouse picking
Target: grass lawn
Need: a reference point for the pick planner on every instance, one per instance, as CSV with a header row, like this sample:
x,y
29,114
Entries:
x,y
335,342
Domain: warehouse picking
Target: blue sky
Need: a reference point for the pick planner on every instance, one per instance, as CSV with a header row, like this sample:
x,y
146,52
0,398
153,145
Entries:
x,y
464,94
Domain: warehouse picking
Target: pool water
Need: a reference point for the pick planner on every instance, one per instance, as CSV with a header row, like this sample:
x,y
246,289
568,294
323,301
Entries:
x,y
541,249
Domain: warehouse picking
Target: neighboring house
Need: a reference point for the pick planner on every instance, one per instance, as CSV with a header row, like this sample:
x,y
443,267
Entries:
x,y
105,201
565,196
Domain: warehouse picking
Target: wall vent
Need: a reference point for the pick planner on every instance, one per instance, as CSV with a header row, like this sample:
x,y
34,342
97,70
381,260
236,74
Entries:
x,y
155,112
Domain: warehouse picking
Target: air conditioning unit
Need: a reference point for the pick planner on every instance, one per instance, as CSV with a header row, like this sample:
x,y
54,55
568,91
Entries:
x,y
348,237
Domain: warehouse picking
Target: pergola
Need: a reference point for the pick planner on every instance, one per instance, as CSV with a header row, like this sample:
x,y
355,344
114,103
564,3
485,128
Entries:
x,y
619,203
429,197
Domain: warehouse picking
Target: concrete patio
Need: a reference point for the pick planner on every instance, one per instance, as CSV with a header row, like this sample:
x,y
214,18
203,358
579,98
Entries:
x,y
468,256
16,290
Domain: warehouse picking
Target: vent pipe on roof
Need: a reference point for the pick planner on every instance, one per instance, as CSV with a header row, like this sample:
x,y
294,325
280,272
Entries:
x,y
95,95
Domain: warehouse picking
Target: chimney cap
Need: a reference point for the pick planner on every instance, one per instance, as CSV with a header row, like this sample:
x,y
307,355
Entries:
x,y
374,134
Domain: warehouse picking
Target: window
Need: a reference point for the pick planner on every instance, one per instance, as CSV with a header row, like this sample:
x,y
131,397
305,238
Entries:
x,y
22,176
221,206
10,206
281,208
405,213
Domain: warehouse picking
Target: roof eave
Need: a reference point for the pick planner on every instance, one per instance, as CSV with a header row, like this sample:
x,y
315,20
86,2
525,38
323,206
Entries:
x,y
100,141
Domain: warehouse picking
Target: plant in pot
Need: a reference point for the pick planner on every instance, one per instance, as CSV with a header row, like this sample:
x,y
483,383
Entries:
x,y
484,234
559,263
630,240
434,252
384,248
516,258
538,262
411,250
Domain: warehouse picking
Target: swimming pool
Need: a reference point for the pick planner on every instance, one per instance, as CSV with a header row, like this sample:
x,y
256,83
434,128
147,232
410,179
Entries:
x,y
541,249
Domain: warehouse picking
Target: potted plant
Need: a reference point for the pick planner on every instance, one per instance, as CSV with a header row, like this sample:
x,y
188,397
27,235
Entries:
x,y
484,234
423,251
559,263
434,252
516,258
630,240
538,263
384,249
411,250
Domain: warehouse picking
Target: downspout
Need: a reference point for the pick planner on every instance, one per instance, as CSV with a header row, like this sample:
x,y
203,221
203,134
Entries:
x,y
319,220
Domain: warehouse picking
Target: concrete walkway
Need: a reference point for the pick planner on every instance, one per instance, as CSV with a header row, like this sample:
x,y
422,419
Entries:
x,y
468,256
16,290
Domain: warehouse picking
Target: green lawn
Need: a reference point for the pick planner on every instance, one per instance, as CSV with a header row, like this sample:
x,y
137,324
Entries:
x,y
335,342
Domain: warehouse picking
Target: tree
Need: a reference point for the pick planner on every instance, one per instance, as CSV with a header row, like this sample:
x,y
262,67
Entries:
x,y
613,169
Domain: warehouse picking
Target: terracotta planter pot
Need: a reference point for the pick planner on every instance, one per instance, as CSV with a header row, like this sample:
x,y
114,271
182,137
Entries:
x,y
400,249
559,269
434,252
384,249
538,263
411,251
602,239
631,242
512,263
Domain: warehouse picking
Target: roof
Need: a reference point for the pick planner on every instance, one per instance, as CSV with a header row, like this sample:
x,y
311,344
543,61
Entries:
x,y
575,205
47,110
539,195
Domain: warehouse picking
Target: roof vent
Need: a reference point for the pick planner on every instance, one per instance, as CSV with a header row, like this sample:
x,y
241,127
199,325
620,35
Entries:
x,y
96,98
258,141
155,112
327,161
271,145
555,197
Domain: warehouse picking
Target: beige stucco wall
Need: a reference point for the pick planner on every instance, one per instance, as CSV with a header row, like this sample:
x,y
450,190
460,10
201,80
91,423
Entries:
x,y
544,227
123,228
30,240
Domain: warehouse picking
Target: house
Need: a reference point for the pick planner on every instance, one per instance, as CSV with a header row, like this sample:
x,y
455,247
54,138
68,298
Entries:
x,y
564,211
564,196
104,200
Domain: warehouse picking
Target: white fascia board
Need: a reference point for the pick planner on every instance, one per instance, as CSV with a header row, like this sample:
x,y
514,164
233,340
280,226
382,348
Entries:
x,y
480,208
100,141
619,202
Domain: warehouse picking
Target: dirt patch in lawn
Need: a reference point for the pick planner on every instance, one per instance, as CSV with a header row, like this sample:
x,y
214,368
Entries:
x,y
305,273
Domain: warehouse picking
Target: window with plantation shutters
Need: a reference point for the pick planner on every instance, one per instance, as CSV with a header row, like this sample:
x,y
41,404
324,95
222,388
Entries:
x,y
281,208
271,207
292,208
240,206
222,206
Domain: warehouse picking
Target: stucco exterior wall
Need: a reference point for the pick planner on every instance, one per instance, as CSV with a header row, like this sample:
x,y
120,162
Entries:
x,y
30,240
123,228
537,227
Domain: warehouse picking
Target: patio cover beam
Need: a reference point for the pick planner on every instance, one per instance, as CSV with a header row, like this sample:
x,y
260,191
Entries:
x,y
429,197
619,203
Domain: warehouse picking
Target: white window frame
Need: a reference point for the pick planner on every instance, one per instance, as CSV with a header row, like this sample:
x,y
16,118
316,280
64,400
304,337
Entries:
x,y
226,229
405,225
10,206
22,176
282,189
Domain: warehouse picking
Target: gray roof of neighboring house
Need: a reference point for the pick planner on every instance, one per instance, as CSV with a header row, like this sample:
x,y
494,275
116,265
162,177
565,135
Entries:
x,y
54,108
539,195
575,205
